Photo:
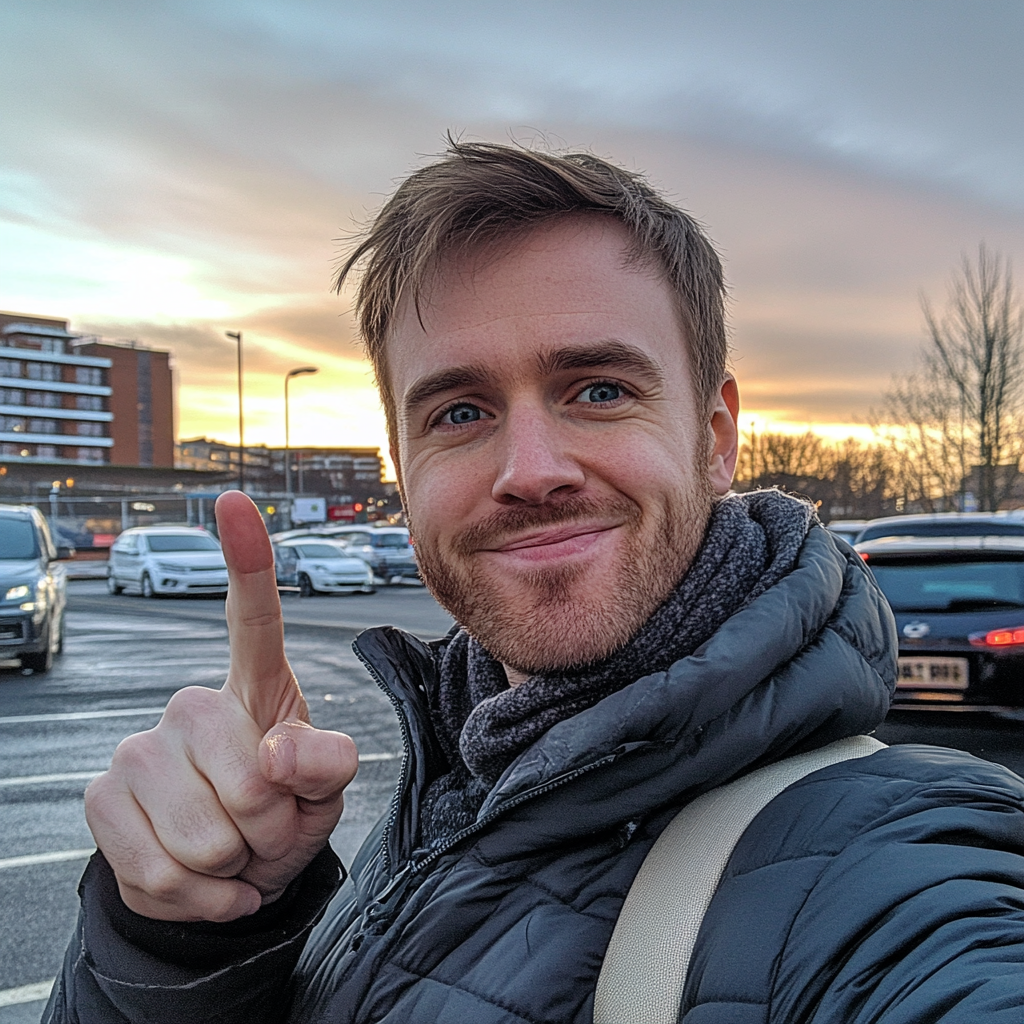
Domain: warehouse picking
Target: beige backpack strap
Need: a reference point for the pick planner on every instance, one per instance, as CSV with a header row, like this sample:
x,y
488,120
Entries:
x,y
644,971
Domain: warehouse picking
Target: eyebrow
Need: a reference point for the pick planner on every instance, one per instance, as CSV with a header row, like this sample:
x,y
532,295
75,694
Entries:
x,y
601,355
453,378
610,354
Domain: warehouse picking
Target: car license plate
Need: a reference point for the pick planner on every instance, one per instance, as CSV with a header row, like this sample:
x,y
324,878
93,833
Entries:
x,y
933,673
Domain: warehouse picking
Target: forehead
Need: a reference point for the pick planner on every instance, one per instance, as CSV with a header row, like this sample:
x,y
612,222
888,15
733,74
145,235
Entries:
x,y
564,285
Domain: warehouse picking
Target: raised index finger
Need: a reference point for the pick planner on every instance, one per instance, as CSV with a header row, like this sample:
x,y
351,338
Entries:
x,y
260,675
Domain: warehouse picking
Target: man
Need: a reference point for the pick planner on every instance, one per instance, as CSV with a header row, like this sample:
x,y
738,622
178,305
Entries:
x,y
548,337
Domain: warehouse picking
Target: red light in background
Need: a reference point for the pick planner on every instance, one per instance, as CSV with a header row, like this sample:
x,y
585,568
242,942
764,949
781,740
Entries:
x,y
998,637
358,507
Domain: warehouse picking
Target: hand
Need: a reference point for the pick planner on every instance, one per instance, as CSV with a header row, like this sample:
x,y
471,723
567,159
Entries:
x,y
213,812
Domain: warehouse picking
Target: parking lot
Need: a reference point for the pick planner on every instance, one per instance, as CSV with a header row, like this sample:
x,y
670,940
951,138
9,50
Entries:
x,y
123,659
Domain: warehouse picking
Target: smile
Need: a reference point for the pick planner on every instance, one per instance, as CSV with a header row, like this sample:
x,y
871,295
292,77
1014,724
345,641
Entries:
x,y
556,542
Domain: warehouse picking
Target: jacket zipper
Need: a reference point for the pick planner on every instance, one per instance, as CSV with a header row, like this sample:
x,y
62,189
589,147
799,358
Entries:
x,y
404,770
401,881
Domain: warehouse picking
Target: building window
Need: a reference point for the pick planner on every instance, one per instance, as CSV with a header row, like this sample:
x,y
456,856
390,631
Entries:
x,y
46,451
10,367
55,345
12,424
91,403
10,450
44,399
42,427
88,375
90,429
43,371
90,455
12,396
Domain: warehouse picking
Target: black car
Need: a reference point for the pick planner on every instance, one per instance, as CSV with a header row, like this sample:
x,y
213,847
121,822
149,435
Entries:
x,y
942,524
959,607
33,589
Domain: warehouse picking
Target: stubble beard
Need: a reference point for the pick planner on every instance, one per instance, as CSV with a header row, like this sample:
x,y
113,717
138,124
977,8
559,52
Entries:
x,y
555,618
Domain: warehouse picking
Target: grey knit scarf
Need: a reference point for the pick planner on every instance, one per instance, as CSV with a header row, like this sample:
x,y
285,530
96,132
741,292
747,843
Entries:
x,y
483,724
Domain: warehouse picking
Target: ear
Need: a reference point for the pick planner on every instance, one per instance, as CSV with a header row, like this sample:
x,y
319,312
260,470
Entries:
x,y
724,435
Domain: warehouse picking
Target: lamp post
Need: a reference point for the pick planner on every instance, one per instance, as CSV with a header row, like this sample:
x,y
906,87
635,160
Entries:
x,y
297,372
237,337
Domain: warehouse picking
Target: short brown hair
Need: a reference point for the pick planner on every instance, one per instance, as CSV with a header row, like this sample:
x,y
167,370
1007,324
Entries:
x,y
480,193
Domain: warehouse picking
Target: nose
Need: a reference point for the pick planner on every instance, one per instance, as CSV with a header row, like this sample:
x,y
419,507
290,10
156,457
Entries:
x,y
535,462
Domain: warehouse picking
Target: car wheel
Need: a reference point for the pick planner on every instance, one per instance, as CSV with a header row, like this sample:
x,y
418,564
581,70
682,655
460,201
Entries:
x,y
42,661
367,590
305,586
113,587
60,637
147,586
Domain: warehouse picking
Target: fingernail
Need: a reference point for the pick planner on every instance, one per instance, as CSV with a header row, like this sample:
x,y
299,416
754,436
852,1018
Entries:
x,y
281,758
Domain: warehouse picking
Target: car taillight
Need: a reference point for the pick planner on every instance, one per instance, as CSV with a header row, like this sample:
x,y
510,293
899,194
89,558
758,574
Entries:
x,y
864,555
998,637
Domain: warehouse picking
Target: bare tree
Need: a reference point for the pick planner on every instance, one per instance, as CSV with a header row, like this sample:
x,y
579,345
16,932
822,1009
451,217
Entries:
x,y
846,480
960,414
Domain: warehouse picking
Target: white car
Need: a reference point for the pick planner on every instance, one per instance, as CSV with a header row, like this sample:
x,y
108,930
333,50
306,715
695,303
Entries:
x,y
157,560
321,567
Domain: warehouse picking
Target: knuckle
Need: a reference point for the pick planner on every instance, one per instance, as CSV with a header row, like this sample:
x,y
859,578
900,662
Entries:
x,y
163,880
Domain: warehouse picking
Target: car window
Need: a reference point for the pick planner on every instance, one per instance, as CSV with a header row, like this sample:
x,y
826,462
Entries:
x,y
17,538
182,542
319,551
960,585
950,529
390,540
351,539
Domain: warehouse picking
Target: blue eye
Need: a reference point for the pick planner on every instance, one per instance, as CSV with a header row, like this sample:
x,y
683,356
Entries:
x,y
460,414
603,392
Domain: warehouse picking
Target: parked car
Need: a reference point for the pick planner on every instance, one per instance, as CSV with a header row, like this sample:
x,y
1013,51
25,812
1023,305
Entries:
x,y
33,587
959,607
158,560
848,529
945,524
319,566
387,550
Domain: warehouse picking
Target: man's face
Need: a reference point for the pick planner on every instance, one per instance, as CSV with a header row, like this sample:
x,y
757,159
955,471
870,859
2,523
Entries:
x,y
555,472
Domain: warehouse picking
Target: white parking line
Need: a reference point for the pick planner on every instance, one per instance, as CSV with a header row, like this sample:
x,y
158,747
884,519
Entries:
x,y
46,858
79,716
31,780
34,780
26,993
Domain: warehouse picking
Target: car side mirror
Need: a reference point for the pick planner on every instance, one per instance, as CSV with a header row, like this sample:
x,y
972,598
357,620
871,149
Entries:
x,y
63,554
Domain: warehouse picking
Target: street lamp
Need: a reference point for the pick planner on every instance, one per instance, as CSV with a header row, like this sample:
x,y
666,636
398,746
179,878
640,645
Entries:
x,y
297,372
237,337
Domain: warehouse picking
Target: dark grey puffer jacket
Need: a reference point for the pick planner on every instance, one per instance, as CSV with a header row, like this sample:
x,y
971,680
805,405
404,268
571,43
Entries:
x,y
827,911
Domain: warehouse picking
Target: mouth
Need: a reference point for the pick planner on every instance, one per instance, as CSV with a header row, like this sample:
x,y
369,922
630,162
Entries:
x,y
555,542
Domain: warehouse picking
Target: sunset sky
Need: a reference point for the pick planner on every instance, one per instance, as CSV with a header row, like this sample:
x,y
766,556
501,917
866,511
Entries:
x,y
171,170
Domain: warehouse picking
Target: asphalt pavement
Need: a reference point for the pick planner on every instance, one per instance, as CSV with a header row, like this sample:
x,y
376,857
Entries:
x,y
125,656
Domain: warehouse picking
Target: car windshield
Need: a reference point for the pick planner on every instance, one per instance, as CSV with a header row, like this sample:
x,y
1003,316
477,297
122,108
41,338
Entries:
x,y
952,586
182,542
391,540
17,538
946,529
320,551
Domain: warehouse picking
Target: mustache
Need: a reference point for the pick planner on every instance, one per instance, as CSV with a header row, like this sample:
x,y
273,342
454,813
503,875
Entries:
x,y
505,524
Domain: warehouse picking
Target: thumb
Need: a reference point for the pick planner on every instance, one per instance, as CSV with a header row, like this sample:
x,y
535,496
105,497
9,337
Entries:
x,y
313,764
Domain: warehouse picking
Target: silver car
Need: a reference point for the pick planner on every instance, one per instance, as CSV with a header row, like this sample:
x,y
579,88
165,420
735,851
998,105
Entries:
x,y
318,566
162,560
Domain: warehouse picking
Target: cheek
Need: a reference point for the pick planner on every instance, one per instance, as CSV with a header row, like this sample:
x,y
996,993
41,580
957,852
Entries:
x,y
442,496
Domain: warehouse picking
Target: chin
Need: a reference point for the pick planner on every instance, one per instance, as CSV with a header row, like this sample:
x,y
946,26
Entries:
x,y
558,619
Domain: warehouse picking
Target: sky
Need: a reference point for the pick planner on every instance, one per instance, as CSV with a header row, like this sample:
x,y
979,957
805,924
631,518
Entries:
x,y
173,170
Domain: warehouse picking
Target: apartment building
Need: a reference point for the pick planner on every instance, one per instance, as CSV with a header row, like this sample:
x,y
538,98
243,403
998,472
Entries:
x,y
349,473
69,399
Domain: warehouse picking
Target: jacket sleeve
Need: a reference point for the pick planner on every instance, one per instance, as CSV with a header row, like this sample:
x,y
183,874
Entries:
x,y
887,890
121,967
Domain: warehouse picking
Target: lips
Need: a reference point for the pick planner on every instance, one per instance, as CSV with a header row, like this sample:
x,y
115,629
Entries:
x,y
552,536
